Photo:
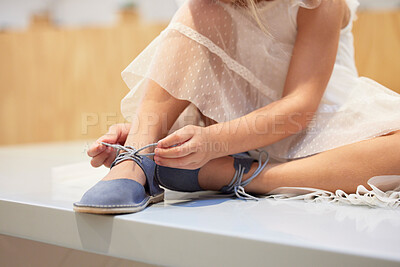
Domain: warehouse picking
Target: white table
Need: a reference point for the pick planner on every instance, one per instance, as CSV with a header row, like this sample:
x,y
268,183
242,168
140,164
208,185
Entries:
x,y
39,183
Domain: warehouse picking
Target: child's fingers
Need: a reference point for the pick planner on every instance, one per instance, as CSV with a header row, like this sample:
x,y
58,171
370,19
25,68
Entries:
x,y
95,149
178,151
108,138
117,133
109,160
182,163
98,160
174,139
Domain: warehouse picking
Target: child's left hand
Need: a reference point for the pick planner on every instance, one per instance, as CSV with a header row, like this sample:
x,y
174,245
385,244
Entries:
x,y
187,148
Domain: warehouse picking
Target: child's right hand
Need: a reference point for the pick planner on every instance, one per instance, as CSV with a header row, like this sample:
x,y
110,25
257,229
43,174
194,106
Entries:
x,y
103,155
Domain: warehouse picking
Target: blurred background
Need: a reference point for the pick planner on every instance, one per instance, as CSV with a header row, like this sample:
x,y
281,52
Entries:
x,y
60,60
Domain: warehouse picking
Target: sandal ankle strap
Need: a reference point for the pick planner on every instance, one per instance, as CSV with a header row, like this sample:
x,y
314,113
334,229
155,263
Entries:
x,y
236,185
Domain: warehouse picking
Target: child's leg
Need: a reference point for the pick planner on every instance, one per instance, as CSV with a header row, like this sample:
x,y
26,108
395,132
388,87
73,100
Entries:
x,y
343,168
156,115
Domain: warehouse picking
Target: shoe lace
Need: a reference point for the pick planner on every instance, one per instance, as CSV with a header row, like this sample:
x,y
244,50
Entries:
x,y
130,153
238,186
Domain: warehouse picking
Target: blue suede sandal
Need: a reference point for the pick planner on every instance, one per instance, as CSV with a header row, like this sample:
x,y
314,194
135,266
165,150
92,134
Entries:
x,y
123,195
187,180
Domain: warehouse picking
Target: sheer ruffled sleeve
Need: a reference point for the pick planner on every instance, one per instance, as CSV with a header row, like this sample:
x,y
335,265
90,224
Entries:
x,y
206,56
311,4
353,4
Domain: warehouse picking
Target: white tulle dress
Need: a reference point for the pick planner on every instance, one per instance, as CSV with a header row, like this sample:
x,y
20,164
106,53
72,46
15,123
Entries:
x,y
214,55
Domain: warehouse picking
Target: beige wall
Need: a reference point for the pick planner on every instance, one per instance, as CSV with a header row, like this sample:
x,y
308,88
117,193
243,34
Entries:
x,y
54,80
377,46
51,78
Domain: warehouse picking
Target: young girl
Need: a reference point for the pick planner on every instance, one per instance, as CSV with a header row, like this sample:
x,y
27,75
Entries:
x,y
274,79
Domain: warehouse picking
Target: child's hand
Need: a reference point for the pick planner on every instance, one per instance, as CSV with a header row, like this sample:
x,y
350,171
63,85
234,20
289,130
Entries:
x,y
186,148
102,155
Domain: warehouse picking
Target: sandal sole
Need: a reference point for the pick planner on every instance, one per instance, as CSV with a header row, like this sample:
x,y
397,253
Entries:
x,y
100,210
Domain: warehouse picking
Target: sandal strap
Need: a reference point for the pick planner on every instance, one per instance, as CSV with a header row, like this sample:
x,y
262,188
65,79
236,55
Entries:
x,y
236,185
